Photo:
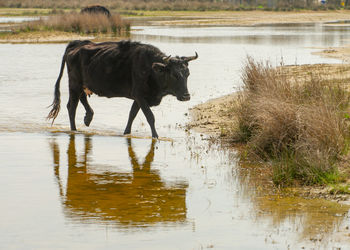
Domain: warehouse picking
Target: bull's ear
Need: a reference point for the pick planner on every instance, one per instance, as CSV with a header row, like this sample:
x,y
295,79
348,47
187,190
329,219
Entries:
x,y
158,67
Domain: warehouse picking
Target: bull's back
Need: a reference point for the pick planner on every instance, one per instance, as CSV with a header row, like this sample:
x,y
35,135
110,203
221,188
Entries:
x,y
104,68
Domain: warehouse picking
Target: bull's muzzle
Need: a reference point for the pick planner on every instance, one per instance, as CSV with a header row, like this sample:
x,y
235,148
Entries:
x,y
185,97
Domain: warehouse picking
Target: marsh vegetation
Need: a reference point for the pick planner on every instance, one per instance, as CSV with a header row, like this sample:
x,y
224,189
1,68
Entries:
x,y
297,123
79,23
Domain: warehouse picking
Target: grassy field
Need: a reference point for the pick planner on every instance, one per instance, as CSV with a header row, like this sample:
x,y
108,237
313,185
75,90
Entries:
x,y
142,13
177,5
28,11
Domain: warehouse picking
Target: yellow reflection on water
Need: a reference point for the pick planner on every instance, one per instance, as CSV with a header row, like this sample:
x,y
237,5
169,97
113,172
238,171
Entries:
x,y
140,198
313,219
317,221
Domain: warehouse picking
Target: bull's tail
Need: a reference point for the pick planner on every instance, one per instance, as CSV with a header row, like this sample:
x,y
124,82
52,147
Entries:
x,y
56,104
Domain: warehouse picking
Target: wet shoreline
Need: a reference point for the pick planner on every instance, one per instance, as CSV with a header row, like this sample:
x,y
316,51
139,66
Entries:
x,y
215,119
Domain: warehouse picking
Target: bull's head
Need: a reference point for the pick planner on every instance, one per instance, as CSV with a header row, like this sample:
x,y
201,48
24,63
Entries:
x,y
172,74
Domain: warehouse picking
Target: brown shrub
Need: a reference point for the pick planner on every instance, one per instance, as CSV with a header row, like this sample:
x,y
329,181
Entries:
x,y
298,123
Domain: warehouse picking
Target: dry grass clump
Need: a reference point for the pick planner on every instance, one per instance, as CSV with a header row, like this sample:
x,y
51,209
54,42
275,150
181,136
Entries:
x,y
80,23
298,124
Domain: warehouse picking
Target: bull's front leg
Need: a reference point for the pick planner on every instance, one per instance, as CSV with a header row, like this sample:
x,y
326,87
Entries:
x,y
133,112
149,115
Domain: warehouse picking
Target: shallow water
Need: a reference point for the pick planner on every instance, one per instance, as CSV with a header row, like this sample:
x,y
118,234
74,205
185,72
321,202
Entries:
x,y
97,189
6,23
5,19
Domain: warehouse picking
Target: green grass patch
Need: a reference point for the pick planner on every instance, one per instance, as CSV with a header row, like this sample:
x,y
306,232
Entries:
x,y
340,189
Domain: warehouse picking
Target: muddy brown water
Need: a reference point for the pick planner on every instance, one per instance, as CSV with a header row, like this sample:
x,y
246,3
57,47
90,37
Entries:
x,y
96,189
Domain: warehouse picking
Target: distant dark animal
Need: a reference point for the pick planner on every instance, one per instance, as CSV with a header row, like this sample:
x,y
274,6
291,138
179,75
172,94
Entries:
x,y
96,9
121,69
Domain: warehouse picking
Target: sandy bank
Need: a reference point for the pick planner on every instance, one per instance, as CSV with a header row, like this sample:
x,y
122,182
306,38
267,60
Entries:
x,y
213,117
239,18
42,37
341,53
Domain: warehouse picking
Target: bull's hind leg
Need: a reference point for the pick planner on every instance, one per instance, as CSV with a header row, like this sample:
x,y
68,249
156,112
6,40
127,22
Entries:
x,y
89,112
72,107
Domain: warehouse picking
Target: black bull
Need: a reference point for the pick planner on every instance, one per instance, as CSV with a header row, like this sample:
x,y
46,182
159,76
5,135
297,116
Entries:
x,y
137,71
96,9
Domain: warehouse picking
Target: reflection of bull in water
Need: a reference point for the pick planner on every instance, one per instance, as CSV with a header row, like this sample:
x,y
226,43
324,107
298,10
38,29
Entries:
x,y
140,198
96,9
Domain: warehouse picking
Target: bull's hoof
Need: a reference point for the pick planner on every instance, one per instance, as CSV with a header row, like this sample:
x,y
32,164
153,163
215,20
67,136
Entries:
x,y
88,118
127,131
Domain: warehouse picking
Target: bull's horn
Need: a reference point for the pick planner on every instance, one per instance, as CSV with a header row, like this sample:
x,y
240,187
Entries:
x,y
166,58
190,58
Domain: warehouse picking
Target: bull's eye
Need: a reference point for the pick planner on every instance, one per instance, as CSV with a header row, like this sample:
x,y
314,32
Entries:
x,y
177,75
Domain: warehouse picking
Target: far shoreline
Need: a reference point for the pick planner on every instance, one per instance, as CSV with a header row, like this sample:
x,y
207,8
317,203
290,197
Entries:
x,y
189,18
